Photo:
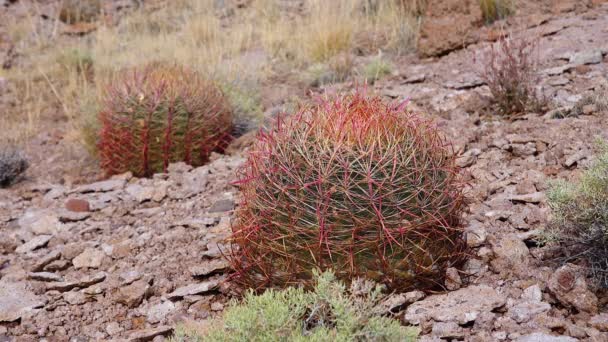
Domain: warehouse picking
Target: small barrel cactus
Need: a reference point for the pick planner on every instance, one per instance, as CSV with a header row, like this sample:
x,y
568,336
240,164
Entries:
x,y
13,164
159,114
352,184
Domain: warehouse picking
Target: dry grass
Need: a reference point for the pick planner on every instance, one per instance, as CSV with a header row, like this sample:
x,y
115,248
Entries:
x,y
61,76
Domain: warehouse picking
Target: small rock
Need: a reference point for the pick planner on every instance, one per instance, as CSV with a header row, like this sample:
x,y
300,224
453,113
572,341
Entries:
x,y
90,258
57,265
159,312
587,57
575,158
600,322
209,268
44,276
392,303
128,277
140,193
447,330
217,306
84,282
149,334
103,186
542,337
535,197
74,297
532,293
132,295
525,311
113,329
194,289
452,279
569,286
476,234
509,252
44,261
37,242
77,205
222,206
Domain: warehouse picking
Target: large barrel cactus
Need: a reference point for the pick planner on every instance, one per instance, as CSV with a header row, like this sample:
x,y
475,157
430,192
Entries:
x,y
351,184
158,114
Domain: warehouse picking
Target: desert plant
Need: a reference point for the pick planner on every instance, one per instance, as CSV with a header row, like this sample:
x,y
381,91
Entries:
x,y
493,10
328,313
158,114
510,71
580,217
12,165
376,69
353,184
74,11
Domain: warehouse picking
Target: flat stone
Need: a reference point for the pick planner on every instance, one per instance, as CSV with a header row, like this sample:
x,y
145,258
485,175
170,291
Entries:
x,y
452,279
129,277
73,216
140,193
542,337
77,205
40,222
209,267
36,242
476,234
222,206
46,260
44,276
525,311
132,295
16,300
103,186
84,282
509,252
149,334
447,330
535,197
75,297
559,70
90,258
393,302
532,293
160,311
194,289
587,57
461,306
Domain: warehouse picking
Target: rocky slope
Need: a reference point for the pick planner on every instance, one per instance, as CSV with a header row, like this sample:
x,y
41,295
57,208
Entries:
x,y
127,258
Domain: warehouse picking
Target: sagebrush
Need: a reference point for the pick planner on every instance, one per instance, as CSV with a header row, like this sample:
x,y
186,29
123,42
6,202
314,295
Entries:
x,y
158,114
580,217
354,184
326,314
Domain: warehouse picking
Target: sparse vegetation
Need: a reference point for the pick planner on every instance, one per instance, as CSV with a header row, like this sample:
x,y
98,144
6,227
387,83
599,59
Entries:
x,y
493,10
328,313
376,69
13,164
324,190
580,217
159,114
510,69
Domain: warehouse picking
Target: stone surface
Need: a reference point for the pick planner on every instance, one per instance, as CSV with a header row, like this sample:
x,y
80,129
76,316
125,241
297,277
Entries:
x,y
194,289
44,276
34,243
209,267
569,286
77,205
149,334
462,306
16,300
90,258
600,322
84,282
132,295
542,337
103,186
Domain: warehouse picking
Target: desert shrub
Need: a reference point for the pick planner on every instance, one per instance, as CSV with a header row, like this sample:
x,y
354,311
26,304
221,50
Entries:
x,y
376,69
73,11
493,10
352,184
12,165
510,71
328,313
580,217
158,114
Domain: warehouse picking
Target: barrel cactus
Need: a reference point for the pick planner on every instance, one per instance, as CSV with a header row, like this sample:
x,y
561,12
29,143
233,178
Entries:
x,y
354,184
158,114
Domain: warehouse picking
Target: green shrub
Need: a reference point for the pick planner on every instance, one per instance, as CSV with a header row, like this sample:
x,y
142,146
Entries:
x,y
328,313
580,217
376,69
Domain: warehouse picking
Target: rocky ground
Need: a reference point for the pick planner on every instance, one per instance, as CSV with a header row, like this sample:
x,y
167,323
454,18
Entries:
x,y
128,258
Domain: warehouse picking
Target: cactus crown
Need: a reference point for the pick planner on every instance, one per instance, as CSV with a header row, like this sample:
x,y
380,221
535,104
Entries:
x,y
354,184
159,114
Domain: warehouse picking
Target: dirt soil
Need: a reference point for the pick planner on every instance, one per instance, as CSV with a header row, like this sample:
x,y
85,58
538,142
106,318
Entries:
x,y
128,259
